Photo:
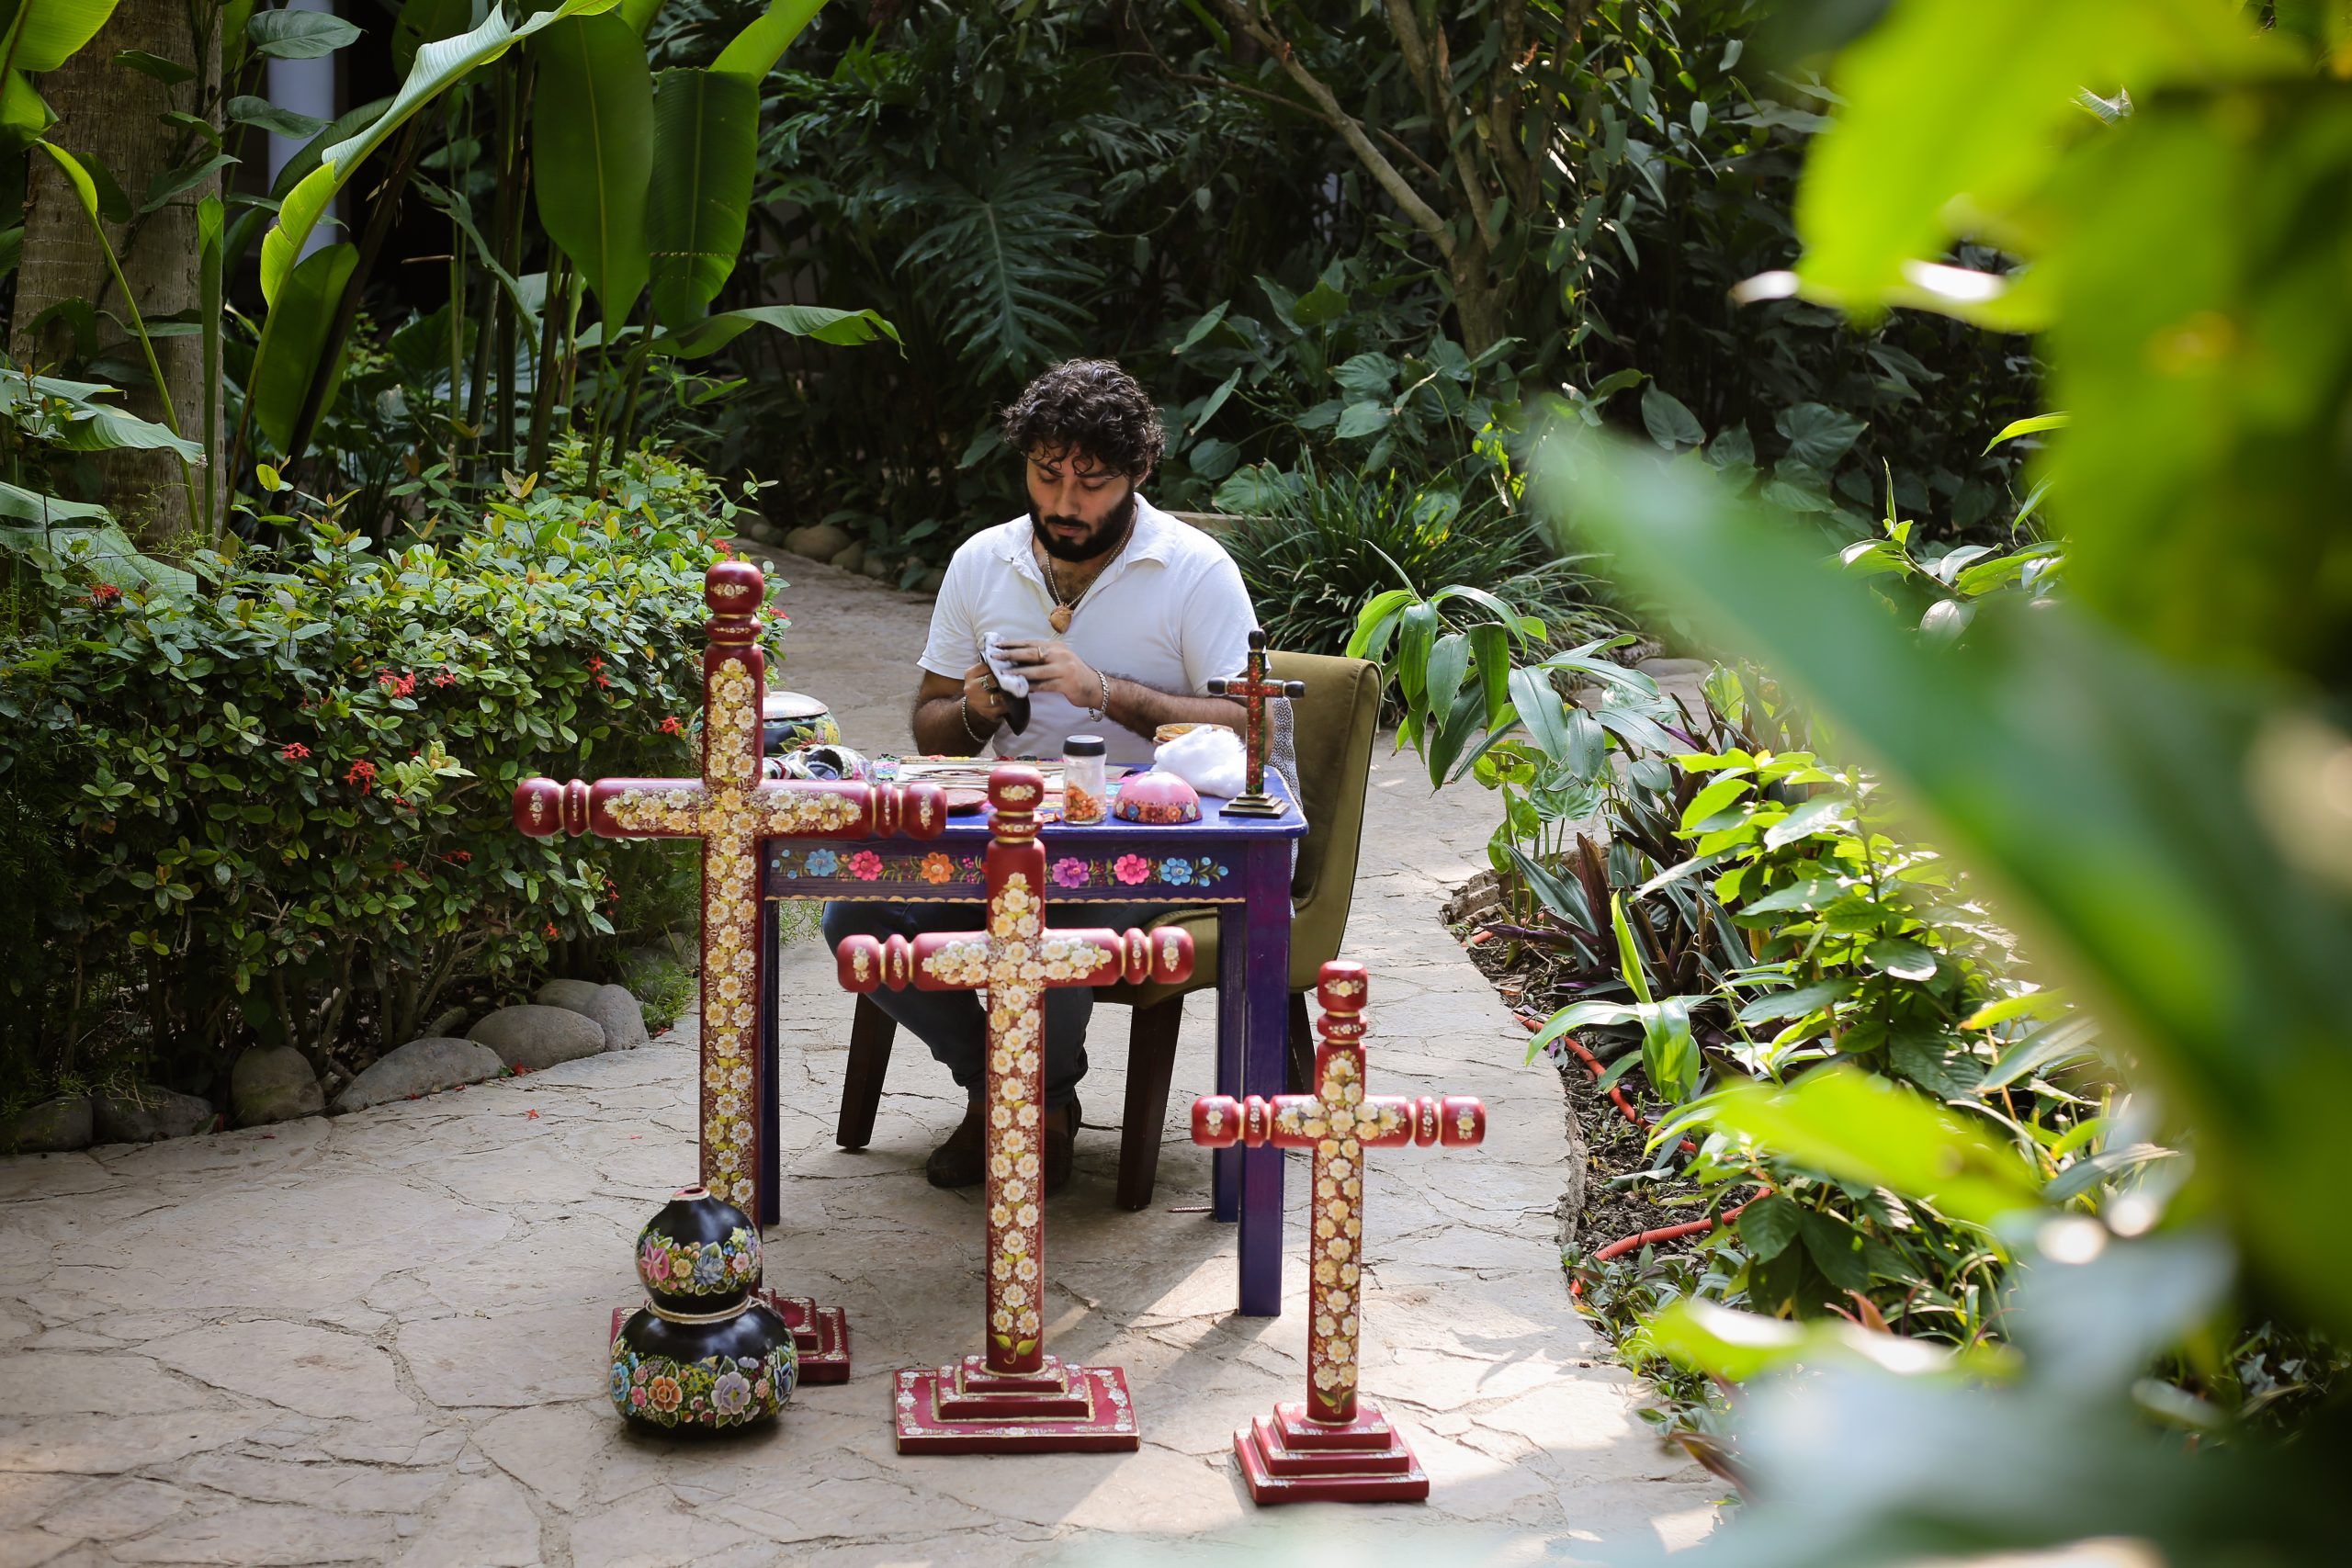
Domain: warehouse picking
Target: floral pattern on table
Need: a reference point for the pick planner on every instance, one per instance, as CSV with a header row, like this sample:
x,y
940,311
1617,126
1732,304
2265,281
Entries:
x,y
793,862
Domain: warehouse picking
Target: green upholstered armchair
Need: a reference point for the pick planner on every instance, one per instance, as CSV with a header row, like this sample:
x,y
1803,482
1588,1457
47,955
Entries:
x,y
1332,730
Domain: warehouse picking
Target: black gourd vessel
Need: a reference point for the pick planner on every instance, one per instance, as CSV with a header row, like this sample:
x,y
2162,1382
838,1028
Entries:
x,y
705,1353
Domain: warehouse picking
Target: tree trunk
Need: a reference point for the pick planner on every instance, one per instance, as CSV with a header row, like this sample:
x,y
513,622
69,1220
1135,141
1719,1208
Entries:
x,y
112,114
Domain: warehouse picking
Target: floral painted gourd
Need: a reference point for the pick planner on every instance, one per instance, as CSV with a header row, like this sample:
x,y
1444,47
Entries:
x,y
705,1353
1157,798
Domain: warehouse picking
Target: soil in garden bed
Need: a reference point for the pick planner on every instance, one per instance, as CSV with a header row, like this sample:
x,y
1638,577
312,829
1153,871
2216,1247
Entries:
x,y
1536,982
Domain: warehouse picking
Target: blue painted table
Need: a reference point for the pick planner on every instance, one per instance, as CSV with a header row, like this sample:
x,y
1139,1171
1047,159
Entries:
x,y
1240,865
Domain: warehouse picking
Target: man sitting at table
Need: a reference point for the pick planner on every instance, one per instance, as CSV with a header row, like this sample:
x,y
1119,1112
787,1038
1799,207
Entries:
x,y
1117,615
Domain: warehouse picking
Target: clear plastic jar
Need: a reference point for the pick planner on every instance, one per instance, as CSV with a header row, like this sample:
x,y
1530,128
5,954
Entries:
x,y
1086,794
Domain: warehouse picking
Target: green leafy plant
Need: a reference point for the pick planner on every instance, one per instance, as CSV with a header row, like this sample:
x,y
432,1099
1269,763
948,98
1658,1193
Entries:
x,y
1320,543
284,811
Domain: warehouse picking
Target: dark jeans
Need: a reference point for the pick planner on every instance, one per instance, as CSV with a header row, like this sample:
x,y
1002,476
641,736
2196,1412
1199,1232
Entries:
x,y
951,1022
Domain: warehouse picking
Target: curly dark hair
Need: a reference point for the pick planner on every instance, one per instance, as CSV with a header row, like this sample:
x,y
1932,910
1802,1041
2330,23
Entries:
x,y
1092,407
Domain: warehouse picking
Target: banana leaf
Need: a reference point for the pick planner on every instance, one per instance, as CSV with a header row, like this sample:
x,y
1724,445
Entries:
x,y
294,335
844,329
705,141
594,153
438,67
753,52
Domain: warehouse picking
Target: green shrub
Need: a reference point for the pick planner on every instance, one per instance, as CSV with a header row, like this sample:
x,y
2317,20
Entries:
x,y
1319,544
277,808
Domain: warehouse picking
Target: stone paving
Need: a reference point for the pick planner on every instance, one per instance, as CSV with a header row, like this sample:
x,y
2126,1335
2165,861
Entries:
x,y
375,1337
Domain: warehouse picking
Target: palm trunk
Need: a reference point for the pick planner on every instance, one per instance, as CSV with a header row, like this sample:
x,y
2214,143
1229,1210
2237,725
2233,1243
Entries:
x,y
112,114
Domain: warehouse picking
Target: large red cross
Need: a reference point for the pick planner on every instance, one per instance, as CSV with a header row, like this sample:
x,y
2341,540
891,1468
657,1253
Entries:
x,y
1014,1397
1329,1446
730,808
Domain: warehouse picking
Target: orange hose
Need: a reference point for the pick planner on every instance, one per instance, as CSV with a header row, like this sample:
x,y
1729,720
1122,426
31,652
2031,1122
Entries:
x,y
1639,1239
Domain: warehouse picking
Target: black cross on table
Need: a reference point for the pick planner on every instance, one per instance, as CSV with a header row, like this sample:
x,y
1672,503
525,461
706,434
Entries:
x,y
1253,688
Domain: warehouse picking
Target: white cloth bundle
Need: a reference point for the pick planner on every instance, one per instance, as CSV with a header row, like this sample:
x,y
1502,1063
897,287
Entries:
x,y
1212,761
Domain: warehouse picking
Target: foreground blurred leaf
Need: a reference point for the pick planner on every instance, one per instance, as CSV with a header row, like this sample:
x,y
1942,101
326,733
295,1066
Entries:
x,y
2133,860
1956,110
2204,348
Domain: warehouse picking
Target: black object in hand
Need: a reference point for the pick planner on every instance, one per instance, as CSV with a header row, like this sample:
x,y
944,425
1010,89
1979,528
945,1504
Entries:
x,y
1016,709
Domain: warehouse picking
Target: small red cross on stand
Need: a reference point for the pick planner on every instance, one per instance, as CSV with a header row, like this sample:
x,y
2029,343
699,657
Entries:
x,y
1014,1398
1253,688
1329,1446
731,809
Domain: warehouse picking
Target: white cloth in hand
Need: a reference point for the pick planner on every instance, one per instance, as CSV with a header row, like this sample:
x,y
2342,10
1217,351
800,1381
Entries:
x,y
992,654
1212,761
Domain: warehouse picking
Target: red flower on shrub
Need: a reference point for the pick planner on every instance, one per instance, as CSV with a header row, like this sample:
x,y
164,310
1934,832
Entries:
x,y
603,680
551,933
104,593
446,678
362,773
400,685
724,550
672,727
294,751
459,857
595,662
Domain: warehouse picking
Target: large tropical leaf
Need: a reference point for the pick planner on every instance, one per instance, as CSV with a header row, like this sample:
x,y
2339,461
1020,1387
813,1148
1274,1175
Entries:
x,y
2110,800
248,225
44,34
1004,253
438,67
294,335
705,141
753,52
90,537
31,506
592,152
843,329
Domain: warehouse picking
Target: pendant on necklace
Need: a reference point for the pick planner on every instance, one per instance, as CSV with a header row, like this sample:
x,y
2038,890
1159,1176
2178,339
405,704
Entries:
x,y
1059,618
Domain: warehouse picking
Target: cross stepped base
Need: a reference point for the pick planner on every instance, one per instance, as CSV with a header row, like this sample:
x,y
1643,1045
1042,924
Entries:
x,y
1293,1460
967,1409
1257,805
820,1333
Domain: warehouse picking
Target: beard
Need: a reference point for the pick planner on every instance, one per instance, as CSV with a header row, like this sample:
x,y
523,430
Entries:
x,y
1108,535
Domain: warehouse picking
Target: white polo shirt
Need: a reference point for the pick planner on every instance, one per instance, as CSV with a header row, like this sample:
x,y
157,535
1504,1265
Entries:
x,y
1170,611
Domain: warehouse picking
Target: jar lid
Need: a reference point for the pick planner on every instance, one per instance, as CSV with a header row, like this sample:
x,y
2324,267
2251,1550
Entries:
x,y
1082,746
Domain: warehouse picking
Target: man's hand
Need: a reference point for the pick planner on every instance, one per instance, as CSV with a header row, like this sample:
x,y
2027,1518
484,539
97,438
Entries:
x,y
1052,667
983,695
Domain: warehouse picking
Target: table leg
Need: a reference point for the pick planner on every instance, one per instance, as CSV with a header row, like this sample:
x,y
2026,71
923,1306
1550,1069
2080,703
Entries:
x,y
1232,1036
771,1159
1268,982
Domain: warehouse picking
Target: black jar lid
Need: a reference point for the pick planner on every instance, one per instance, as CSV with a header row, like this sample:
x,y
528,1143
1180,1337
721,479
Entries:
x,y
1082,746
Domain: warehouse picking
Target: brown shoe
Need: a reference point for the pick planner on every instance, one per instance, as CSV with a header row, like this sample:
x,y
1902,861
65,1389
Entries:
x,y
1061,1146
957,1162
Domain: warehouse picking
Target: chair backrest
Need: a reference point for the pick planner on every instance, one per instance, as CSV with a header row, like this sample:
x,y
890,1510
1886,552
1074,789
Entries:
x,y
1333,727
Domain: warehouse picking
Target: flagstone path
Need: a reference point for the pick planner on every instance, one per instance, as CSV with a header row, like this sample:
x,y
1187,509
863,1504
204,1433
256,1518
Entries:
x,y
376,1338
